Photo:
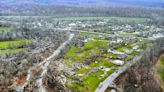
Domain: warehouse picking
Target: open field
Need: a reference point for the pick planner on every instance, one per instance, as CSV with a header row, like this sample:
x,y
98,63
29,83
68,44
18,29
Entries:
x,y
138,19
13,44
5,29
11,47
122,19
89,48
11,51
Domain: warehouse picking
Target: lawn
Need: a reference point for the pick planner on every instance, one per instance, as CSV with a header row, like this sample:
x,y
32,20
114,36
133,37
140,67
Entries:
x,y
110,55
12,47
103,44
90,48
103,62
92,80
130,19
129,56
122,49
93,35
13,44
4,29
91,75
11,51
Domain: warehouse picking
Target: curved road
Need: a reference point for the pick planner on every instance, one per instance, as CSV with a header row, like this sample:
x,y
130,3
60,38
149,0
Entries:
x,y
109,81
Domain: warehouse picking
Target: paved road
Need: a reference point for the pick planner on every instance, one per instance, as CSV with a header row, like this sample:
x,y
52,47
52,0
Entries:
x,y
109,81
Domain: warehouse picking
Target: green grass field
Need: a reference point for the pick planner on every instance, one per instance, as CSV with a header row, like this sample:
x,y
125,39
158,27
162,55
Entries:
x,y
11,47
13,44
5,29
11,51
90,48
122,49
91,34
122,19
90,81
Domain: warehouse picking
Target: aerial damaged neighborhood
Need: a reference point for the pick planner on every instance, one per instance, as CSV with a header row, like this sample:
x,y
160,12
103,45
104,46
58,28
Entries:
x,y
88,47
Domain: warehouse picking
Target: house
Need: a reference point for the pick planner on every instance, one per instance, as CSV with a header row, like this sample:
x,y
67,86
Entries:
x,y
117,62
119,40
121,56
128,51
89,39
72,25
112,36
136,47
114,52
80,44
111,43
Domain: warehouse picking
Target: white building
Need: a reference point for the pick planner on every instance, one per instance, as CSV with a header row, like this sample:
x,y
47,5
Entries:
x,y
117,62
